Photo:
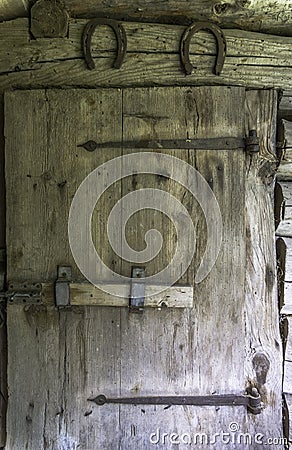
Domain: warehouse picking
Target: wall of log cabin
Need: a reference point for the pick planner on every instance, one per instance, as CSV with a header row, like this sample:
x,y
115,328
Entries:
x,y
254,60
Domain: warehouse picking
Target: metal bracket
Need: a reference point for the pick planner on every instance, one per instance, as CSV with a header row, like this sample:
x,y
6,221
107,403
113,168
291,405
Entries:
x,y
252,402
186,40
120,36
26,293
137,296
252,142
62,286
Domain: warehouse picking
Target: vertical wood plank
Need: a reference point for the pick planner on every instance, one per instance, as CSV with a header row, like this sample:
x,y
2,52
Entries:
x,y
3,330
178,352
264,357
67,355
45,167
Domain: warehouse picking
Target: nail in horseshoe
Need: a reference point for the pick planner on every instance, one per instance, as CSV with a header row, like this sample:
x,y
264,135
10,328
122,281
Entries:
x,y
185,45
120,36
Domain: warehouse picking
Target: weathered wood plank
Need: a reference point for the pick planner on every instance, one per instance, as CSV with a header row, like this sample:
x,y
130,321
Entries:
x,y
3,374
158,366
263,364
287,382
3,337
152,58
287,139
284,171
255,16
287,308
285,227
84,294
288,269
40,410
287,192
285,105
68,357
22,52
63,124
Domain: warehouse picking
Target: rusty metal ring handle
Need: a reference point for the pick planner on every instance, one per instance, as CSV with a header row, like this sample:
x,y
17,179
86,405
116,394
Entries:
x,y
185,45
120,37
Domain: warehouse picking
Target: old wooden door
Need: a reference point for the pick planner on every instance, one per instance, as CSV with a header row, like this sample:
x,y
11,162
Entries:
x,y
60,358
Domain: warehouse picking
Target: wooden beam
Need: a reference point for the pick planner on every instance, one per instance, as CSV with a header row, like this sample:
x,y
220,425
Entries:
x,y
258,15
85,294
253,60
284,172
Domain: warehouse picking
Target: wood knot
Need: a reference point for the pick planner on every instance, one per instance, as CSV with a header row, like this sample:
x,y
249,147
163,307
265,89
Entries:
x,y
261,366
48,19
220,8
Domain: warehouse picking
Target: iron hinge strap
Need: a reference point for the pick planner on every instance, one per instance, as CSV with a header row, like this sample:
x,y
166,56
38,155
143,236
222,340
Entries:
x,y
252,401
250,143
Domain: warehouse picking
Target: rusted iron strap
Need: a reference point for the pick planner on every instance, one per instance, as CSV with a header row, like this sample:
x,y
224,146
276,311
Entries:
x,y
224,143
252,402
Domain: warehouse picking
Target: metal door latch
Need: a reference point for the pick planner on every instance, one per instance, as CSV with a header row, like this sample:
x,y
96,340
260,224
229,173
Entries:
x,y
186,40
26,293
251,401
62,286
120,34
137,295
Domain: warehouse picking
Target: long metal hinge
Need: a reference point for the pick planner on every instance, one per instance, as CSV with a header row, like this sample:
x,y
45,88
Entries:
x,y
252,401
250,143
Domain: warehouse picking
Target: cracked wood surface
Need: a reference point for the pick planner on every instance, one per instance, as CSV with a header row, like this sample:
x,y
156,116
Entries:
x,y
253,60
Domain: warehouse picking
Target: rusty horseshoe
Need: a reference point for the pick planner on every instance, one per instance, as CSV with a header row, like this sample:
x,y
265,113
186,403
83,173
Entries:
x,y
185,45
121,38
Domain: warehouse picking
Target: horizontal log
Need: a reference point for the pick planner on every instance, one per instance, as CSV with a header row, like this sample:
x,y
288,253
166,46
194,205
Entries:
x,y
85,294
287,382
285,228
287,192
253,60
285,137
285,105
287,308
284,172
258,15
